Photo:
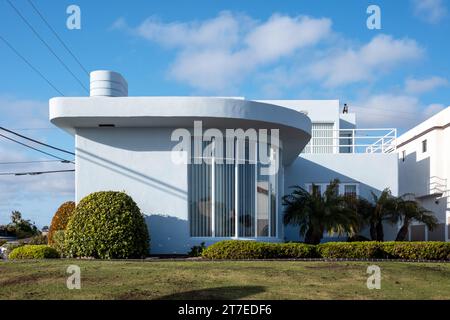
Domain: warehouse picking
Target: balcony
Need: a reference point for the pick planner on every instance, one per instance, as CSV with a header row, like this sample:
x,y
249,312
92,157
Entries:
x,y
325,140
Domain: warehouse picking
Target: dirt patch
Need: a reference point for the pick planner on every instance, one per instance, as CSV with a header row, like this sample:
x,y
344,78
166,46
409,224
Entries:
x,y
329,266
20,280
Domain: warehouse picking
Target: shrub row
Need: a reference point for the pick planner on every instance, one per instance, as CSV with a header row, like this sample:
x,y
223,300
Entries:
x,y
238,249
235,249
33,252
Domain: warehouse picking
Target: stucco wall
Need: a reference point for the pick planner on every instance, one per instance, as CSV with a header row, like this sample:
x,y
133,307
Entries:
x,y
372,172
138,161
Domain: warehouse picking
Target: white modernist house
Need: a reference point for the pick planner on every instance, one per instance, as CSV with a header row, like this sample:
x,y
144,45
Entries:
x,y
424,170
132,144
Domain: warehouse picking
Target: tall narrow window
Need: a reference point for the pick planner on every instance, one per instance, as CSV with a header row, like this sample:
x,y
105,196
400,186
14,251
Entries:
x,y
246,193
200,200
424,146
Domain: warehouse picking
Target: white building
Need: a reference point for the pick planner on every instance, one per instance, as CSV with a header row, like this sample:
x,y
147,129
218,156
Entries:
x,y
127,144
424,170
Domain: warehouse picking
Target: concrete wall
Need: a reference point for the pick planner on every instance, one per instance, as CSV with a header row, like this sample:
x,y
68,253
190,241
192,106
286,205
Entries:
x,y
372,172
138,161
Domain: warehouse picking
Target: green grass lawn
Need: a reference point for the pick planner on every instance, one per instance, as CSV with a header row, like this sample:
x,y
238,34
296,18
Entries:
x,y
222,280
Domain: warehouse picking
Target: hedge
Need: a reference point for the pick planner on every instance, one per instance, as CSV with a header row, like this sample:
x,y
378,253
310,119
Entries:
x,y
351,250
61,219
423,250
40,251
239,249
107,225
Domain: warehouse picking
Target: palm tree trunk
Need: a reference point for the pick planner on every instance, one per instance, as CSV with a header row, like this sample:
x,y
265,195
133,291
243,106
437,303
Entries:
x,y
313,236
403,232
373,232
380,232
308,236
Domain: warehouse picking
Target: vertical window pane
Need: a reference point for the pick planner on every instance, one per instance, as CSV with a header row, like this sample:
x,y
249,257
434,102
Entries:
x,y
224,200
263,205
200,206
246,192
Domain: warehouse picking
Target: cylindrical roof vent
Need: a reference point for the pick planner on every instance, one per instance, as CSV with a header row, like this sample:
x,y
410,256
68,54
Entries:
x,y
106,83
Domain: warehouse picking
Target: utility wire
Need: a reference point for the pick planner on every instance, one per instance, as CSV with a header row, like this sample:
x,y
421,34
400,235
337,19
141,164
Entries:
x,y
38,150
36,141
30,65
47,45
58,37
33,173
34,161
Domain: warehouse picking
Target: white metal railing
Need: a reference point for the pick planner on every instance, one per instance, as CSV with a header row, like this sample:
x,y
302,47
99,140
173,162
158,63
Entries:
x,y
379,140
437,185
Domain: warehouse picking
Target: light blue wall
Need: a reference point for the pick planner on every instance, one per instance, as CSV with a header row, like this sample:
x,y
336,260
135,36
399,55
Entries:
x,y
372,172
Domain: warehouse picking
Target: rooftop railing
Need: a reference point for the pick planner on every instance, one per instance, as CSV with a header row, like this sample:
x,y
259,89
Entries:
x,y
381,140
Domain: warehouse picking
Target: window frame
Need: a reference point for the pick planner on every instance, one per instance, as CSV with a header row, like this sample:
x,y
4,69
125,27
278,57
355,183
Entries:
x,y
255,236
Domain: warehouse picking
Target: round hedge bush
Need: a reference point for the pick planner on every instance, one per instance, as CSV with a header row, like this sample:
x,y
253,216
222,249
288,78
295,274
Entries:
x,y
60,219
107,225
33,251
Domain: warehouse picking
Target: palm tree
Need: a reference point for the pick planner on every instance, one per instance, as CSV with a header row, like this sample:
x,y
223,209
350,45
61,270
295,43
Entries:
x,y
315,213
374,213
409,210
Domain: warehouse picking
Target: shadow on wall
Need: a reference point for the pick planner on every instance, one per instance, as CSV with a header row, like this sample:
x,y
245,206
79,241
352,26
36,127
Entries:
x,y
168,234
304,171
132,174
219,293
415,174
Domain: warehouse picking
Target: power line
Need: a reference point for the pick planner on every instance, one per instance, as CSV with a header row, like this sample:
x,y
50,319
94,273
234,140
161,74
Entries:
x,y
30,65
33,173
36,141
58,37
47,45
34,161
38,150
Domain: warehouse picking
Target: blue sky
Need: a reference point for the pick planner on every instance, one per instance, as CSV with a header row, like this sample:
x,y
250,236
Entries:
x,y
393,77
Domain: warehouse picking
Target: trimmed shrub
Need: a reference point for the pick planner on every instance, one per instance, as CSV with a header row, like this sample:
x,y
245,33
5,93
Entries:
x,y
238,249
39,239
38,251
107,225
58,242
61,219
422,250
351,250
196,251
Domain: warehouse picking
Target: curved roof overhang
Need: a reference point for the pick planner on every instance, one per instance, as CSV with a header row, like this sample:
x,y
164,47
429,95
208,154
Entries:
x,y
180,112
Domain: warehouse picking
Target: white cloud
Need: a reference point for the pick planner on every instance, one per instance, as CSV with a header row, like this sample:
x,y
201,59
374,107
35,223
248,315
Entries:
x,y
23,113
431,11
419,86
382,53
391,110
219,53
432,109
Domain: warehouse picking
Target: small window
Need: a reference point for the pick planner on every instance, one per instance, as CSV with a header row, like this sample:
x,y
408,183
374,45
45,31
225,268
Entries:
x,y
424,146
403,155
350,190
314,188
